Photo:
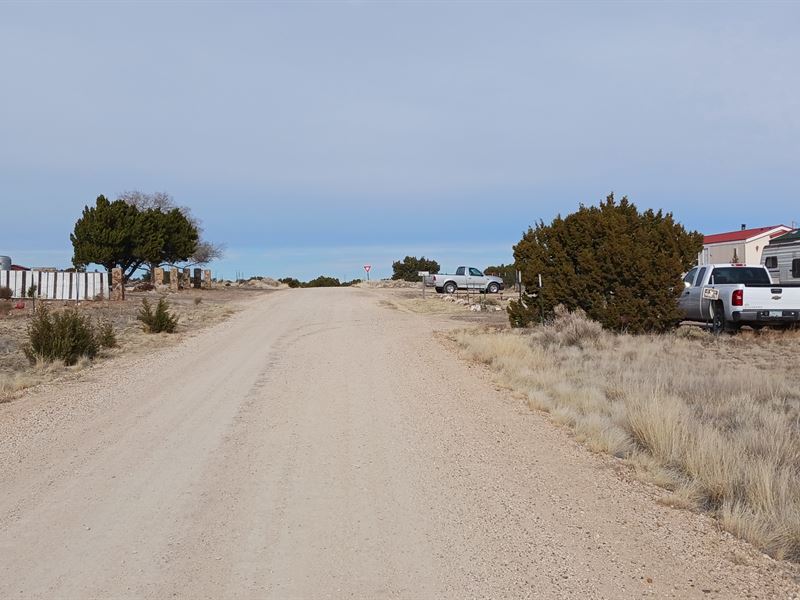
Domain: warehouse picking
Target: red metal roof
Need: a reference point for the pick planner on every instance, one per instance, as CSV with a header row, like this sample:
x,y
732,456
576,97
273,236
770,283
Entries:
x,y
745,234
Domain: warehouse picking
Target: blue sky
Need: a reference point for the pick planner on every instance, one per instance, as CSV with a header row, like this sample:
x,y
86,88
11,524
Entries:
x,y
317,137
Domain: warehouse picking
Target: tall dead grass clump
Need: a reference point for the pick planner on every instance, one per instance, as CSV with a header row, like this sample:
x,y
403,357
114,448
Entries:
x,y
714,420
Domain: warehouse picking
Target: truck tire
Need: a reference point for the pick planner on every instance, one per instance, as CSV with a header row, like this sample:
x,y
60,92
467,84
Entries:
x,y
450,287
718,323
492,288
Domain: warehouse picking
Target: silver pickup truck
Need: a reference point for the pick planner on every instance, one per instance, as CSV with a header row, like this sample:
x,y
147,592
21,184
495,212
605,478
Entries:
x,y
732,295
465,278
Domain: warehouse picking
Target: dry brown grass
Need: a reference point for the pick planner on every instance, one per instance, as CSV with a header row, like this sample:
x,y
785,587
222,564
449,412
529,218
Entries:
x,y
715,420
17,375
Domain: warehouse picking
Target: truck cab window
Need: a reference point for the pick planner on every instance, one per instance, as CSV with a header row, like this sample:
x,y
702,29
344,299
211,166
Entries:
x,y
460,271
689,279
700,277
475,272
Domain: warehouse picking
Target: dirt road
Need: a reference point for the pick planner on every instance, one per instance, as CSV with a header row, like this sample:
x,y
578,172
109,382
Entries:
x,y
322,445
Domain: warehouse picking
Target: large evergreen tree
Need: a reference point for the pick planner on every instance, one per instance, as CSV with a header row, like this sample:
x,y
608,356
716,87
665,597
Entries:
x,y
119,234
408,268
106,234
621,266
164,237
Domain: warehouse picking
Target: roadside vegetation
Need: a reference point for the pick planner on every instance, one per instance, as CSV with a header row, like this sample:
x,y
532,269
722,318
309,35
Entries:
x,y
59,339
138,231
407,269
158,320
621,266
66,336
321,281
684,409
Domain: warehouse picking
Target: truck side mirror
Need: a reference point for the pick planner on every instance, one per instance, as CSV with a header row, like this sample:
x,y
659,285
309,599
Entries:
x,y
687,284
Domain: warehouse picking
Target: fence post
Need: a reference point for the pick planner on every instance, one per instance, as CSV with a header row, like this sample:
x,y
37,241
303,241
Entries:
x,y
117,288
187,278
196,279
173,279
207,279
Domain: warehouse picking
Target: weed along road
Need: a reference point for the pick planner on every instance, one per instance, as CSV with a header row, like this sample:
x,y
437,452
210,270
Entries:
x,y
322,444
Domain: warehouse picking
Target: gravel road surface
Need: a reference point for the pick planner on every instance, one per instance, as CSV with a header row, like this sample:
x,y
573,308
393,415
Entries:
x,y
320,444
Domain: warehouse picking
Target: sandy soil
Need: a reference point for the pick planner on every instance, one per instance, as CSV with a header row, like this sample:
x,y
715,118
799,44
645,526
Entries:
x,y
325,443
196,310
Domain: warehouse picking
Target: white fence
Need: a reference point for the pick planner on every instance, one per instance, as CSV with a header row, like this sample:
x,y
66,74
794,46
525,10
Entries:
x,y
56,285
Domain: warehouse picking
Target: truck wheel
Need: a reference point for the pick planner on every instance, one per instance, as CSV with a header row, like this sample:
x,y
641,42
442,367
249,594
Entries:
x,y
450,288
718,324
493,288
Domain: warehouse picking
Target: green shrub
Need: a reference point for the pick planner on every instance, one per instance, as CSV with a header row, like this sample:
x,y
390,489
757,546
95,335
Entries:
x,y
106,337
66,336
408,268
323,281
5,293
160,319
291,282
507,272
622,267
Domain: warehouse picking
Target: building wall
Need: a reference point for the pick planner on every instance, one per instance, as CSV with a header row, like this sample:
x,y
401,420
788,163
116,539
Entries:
x,y
722,253
749,252
755,249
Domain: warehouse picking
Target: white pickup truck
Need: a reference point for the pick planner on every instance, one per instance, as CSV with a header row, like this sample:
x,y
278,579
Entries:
x,y
465,278
732,295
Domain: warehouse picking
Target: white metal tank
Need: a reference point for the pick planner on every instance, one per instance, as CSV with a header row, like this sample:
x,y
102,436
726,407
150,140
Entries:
x,y
5,263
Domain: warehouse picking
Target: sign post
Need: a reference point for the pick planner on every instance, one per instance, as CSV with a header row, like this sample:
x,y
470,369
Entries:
x,y
423,275
367,268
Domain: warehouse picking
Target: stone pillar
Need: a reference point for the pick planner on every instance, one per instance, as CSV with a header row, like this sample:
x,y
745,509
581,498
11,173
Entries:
x,y
207,279
196,279
173,279
158,277
187,278
117,288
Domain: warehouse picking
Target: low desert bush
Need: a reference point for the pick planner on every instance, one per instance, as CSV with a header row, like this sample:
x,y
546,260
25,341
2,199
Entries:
x,y
106,336
198,300
5,307
65,336
5,293
158,320
721,434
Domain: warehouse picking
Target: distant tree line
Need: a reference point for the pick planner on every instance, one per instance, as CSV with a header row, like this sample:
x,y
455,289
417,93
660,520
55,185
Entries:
x,y
410,266
321,281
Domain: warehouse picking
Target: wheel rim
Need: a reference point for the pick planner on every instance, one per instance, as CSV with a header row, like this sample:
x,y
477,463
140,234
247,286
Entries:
x,y
717,320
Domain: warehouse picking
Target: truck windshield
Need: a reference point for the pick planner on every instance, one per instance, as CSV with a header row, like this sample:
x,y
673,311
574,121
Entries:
x,y
744,275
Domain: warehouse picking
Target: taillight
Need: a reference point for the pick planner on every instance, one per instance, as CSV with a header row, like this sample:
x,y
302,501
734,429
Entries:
x,y
738,298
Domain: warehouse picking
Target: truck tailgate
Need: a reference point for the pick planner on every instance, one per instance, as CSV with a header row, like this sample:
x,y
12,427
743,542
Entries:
x,y
774,297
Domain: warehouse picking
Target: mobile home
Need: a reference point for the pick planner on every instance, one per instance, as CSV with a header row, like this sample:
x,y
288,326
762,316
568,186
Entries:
x,y
782,257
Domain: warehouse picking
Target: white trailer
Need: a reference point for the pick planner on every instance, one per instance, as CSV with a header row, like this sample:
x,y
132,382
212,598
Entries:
x,y
782,258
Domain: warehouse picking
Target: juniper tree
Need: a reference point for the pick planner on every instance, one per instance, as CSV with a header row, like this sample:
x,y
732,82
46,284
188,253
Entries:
x,y
408,268
623,267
